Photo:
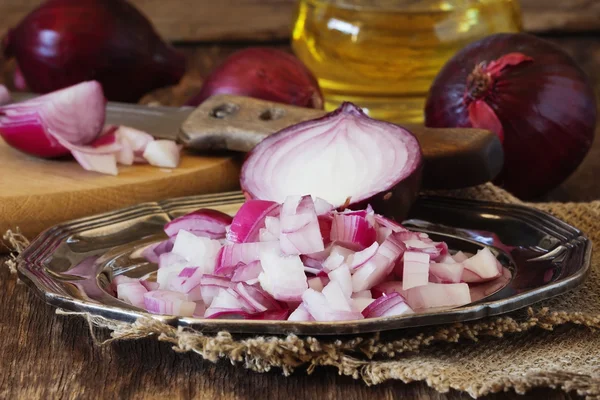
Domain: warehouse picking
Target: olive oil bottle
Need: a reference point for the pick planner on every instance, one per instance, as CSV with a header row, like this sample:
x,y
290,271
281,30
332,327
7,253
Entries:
x,y
384,54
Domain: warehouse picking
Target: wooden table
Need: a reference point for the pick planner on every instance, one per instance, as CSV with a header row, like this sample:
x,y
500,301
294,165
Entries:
x,y
46,356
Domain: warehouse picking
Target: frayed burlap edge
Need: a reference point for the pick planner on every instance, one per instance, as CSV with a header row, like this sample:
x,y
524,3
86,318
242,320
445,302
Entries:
x,y
371,359
355,357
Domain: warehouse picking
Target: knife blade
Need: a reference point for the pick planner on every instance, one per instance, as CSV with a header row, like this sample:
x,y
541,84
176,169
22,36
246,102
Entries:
x,y
160,121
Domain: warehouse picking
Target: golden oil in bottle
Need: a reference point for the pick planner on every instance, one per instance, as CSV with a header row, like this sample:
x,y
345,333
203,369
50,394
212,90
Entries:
x,y
384,54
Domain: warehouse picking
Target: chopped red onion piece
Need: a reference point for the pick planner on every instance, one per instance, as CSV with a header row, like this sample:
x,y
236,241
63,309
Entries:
x,y
273,315
162,153
187,279
387,287
132,293
300,233
416,269
446,259
359,258
481,267
152,252
256,297
360,303
382,233
320,309
326,157
247,222
352,231
136,140
387,306
171,260
199,310
210,286
342,276
167,302
233,256
322,207
445,273
300,315
316,283
247,273
149,285
283,276
365,294
271,231
336,258
119,279
325,223
203,222
224,300
335,296
389,223
460,257
315,260
435,295
379,266
198,251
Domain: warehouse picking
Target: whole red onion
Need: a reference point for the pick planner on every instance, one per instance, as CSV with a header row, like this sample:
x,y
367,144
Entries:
x,y
529,92
64,42
266,74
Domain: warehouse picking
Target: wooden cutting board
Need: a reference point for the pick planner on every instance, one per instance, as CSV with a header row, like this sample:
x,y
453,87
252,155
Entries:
x,y
36,194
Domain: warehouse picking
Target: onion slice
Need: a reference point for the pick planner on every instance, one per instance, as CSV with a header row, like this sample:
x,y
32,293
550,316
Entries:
x,y
203,222
249,219
345,158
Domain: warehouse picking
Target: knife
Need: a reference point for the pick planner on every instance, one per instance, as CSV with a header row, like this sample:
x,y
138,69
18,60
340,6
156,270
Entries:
x,y
453,157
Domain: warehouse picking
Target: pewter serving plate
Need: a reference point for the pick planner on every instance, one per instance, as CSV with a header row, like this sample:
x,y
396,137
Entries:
x,y
72,264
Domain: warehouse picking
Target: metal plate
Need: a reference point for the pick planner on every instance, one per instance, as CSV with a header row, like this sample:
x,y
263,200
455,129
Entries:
x,y
72,264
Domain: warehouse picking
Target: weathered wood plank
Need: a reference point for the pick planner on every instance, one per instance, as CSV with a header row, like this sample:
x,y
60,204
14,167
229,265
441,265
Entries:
x,y
267,20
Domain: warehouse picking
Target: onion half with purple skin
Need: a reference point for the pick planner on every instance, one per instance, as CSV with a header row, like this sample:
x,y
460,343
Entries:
x,y
345,158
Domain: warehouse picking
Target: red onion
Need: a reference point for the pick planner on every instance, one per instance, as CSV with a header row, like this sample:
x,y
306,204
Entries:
x,y
445,273
198,251
283,276
167,302
529,92
387,306
266,74
345,158
416,269
247,273
203,222
352,231
300,233
64,42
54,124
152,252
132,292
231,256
482,267
249,219
435,295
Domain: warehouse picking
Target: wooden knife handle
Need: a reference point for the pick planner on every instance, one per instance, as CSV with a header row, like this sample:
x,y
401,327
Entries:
x,y
454,157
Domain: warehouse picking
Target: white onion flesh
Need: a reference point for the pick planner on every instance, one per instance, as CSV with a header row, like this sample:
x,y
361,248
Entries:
x,y
259,281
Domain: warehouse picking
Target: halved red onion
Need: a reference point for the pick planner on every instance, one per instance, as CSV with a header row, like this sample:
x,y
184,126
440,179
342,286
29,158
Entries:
x,y
48,126
199,251
167,302
132,293
344,157
445,273
249,219
283,276
481,267
434,295
300,233
387,306
247,273
232,256
203,222
320,309
416,269
379,266
352,231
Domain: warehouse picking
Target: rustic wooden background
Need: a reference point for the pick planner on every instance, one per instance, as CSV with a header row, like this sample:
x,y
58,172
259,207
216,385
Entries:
x,y
268,20
44,356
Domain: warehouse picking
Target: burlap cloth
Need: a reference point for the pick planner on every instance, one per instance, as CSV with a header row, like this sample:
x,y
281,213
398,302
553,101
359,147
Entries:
x,y
555,343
